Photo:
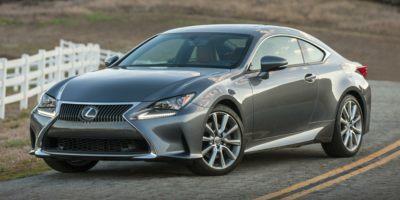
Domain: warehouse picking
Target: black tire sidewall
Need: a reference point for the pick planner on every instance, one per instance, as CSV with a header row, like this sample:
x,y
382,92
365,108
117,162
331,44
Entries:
x,y
337,133
67,167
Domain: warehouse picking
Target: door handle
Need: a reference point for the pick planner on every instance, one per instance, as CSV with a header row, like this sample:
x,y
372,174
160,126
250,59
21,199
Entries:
x,y
310,78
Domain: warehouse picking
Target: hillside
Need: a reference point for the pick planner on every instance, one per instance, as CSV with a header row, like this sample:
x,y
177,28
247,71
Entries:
x,y
365,31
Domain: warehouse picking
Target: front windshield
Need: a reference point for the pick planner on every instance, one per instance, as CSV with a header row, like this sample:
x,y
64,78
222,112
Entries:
x,y
220,50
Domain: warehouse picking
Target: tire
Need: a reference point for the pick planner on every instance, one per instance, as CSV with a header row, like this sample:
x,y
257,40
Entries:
x,y
69,166
230,145
338,147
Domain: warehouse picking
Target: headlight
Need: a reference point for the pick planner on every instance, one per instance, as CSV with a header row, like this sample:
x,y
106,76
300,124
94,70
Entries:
x,y
47,106
165,108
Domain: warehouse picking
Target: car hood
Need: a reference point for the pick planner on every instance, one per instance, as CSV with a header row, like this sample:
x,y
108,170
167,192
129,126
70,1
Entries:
x,y
133,85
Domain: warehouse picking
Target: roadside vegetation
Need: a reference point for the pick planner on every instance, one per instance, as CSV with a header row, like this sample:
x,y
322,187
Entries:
x,y
362,30
15,162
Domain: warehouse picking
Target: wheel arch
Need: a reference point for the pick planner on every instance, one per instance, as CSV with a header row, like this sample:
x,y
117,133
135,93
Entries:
x,y
359,98
235,105
231,104
356,93
327,135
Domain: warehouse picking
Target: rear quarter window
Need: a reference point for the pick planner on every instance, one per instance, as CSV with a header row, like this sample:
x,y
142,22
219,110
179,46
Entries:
x,y
311,53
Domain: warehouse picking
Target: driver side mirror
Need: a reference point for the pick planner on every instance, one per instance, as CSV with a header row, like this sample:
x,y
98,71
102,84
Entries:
x,y
271,63
110,60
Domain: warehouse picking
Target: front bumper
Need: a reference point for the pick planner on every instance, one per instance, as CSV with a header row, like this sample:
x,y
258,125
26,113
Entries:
x,y
177,137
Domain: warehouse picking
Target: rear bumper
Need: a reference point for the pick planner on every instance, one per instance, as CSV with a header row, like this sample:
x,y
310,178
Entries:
x,y
175,137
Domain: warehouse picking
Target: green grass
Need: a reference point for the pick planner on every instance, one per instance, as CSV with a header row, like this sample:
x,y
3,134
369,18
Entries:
x,y
8,21
23,169
58,21
16,143
98,17
15,161
65,21
20,117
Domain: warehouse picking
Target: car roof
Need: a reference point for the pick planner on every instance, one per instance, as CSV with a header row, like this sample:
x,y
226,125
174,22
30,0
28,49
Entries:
x,y
256,30
251,29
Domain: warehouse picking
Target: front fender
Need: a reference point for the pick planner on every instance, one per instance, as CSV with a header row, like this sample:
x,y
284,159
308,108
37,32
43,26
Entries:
x,y
234,93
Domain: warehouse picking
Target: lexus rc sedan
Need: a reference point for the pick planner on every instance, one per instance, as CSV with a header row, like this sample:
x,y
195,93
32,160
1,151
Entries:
x,y
206,95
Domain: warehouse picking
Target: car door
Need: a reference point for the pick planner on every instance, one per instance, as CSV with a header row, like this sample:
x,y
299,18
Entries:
x,y
283,103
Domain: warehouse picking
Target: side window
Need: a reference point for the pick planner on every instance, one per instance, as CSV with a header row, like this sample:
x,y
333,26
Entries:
x,y
285,47
311,53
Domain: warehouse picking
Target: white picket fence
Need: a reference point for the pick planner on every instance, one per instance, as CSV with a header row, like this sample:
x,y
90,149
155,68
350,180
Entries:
x,y
104,53
31,75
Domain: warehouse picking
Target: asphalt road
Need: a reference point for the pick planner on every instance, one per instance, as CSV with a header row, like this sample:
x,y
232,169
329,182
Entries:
x,y
258,175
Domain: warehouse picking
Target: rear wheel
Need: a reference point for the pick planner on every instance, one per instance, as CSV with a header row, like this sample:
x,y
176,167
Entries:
x,y
70,166
348,133
222,143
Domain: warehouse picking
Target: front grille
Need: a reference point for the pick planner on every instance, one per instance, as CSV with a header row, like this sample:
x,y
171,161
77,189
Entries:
x,y
106,113
86,145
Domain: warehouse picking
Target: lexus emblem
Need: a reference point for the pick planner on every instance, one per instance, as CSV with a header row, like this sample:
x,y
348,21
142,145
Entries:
x,y
88,113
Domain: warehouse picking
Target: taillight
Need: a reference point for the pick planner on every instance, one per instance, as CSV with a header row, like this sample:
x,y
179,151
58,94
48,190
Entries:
x,y
363,70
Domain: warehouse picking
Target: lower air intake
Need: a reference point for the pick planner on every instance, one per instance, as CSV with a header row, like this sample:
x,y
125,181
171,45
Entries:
x,y
83,145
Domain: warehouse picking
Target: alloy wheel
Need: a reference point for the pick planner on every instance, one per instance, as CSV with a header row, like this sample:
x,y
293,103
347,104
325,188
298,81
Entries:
x,y
351,125
221,141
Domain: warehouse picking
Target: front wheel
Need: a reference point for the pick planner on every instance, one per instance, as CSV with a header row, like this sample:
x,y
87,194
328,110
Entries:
x,y
222,143
70,166
348,132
